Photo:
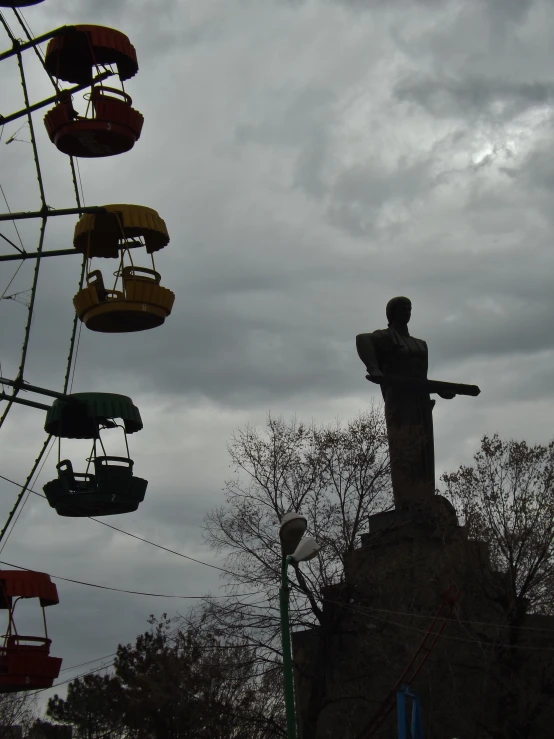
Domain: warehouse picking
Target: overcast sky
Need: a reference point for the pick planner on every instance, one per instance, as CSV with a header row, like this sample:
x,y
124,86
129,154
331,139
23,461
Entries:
x,y
311,160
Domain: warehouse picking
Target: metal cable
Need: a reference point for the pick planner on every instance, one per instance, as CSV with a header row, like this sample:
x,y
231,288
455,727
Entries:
x,y
22,250
43,225
36,272
25,487
29,322
27,30
29,491
10,282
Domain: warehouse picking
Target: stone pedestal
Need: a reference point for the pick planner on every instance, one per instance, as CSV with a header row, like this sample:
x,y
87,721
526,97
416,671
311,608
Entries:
x,y
408,563
431,516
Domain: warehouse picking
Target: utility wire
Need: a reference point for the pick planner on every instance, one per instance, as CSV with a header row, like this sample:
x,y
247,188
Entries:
x,y
13,278
24,487
443,636
208,647
365,610
30,35
135,536
76,355
22,250
166,549
5,541
90,662
454,620
121,590
70,679
37,264
42,228
361,609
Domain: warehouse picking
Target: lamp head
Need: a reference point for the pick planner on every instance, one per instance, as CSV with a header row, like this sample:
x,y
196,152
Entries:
x,y
306,549
292,529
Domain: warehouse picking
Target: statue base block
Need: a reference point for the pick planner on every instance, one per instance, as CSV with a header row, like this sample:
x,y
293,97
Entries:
x,y
433,516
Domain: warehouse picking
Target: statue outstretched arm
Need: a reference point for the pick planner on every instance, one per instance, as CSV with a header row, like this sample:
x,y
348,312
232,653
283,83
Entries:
x,y
365,344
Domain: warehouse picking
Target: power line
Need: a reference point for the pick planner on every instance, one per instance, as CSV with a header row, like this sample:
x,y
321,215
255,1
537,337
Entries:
x,y
70,679
22,250
222,569
27,484
444,636
82,664
208,647
140,538
113,654
165,549
10,282
454,620
121,590
20,511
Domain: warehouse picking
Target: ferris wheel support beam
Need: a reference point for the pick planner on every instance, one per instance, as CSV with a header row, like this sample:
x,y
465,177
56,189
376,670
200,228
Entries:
x,y
37,255
10,242
18,46
21,401
16,51
20,385
47,212
52,99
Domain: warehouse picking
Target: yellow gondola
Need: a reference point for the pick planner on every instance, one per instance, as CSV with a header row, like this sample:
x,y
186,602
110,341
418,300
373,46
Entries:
x,y
137,301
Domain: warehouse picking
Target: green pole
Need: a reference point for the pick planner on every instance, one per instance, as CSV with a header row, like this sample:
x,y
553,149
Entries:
x,y
287,656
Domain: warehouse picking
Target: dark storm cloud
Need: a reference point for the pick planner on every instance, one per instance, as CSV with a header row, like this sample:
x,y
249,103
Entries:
x,y
500,10
258,321
240,347
369,5
359,193
310,163
302,127
154,28
355,195
536,172
475,97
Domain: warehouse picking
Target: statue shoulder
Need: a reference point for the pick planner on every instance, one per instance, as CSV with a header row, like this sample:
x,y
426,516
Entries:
x,y
421,343
380,336
381,340
382,333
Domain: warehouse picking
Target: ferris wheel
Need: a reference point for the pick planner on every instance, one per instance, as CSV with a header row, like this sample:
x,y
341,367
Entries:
x,y
77,59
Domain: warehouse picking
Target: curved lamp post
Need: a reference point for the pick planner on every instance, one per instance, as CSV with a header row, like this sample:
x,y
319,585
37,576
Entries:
x,y
295,548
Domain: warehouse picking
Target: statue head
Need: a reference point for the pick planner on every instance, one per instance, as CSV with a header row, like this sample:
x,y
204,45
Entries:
x,y
399,310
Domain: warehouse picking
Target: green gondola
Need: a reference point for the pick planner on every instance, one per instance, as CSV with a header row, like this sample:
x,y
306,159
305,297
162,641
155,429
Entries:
x,y
108,486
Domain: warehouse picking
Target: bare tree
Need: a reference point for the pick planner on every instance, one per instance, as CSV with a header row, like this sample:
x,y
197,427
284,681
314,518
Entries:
x,y
17,709
506,500
335,475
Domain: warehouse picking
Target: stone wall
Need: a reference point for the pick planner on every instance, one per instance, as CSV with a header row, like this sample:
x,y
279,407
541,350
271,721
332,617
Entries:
x,y
407,565
11,732
50,732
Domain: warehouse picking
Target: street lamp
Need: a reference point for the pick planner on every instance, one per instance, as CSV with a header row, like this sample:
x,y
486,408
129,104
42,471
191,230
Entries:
x,y
295,548
292,529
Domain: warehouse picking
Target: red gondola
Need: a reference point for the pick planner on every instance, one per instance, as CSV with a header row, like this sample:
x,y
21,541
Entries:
x,y
25,662
113,128
18,3
74,55
110,125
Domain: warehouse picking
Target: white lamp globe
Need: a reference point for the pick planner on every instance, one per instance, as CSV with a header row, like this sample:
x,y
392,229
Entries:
x,y
306,549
